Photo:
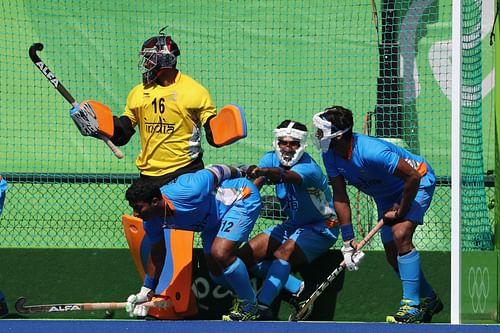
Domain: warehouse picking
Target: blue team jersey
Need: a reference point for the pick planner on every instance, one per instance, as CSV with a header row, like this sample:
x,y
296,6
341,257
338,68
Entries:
x,y
198,205
309,202
372,165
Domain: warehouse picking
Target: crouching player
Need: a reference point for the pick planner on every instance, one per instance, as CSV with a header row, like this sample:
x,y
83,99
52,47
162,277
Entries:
x,y
214,201
402,185
310,227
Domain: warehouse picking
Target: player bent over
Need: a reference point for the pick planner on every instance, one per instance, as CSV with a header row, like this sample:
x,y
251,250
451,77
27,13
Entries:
x,y
402,185
213,201
310,227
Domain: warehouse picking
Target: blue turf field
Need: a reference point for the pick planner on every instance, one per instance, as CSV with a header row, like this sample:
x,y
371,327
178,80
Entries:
x,y
132,326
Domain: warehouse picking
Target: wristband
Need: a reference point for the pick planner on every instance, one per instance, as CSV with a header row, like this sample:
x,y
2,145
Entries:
x,y
347,232
149,282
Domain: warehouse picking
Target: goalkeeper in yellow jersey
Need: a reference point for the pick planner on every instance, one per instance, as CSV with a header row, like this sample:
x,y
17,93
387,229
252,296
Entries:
x,y
169,108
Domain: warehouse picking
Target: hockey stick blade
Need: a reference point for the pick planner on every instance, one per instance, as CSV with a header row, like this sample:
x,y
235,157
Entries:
x,y
28,309
310,301
48,73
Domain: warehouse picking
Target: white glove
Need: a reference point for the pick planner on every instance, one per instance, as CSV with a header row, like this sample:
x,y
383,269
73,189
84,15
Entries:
x,y
357,257
351,257
134,307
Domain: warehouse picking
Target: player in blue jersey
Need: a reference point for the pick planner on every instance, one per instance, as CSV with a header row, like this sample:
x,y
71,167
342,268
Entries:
x,y
402,185
310,227
214,201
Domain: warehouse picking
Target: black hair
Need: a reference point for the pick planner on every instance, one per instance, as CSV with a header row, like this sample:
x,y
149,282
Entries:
x,y
143,189
296,125
339,117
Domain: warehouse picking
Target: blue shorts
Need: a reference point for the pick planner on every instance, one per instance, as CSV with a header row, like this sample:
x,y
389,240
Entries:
x,y
312,239
418,207
236,221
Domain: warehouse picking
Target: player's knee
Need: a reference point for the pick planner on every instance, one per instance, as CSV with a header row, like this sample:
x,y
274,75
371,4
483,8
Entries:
x,y
284,252
224,257
245,253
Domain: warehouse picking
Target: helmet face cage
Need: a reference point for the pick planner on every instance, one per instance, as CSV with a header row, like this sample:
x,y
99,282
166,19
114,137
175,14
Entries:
x,y
327,130
290,157
157,53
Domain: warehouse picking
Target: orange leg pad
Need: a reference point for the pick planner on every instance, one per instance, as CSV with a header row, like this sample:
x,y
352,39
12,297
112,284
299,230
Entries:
x,y
176,277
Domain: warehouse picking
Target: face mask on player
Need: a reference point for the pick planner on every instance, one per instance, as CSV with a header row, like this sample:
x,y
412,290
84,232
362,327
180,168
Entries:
x,y
325,132
289,144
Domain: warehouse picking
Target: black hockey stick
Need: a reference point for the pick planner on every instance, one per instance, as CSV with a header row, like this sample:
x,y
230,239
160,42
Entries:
x,y
62,90
307,307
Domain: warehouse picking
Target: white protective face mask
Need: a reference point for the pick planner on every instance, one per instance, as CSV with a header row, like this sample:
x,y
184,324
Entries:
x,y
327,128
294,134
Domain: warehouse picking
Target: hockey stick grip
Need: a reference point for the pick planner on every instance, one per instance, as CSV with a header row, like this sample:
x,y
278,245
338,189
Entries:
x,y
116,151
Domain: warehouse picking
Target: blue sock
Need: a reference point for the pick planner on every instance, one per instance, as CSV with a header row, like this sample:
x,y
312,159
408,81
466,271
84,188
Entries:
x,y
426,289
409,270
292,284
276,277
220,280
237,277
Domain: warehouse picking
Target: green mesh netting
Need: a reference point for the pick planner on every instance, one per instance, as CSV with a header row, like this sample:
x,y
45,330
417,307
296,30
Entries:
x,y
278,59
476,228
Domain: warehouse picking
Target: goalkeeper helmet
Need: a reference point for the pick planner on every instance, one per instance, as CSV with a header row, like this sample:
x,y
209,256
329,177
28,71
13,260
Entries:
x,y
331,123
290,142
157,53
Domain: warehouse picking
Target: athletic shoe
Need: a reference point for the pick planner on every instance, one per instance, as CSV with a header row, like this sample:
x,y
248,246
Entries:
x,y
430,306
299,299
265,312
407,314
242,312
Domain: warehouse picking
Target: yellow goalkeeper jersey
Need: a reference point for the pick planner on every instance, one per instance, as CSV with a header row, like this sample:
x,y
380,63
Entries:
x,y
170,121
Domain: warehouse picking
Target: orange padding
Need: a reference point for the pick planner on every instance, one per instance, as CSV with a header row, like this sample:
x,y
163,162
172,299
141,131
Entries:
x,y
229,125
179,290
104,117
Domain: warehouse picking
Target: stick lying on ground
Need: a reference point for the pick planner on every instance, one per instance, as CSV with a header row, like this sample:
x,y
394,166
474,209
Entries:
x,y
307,307
27,309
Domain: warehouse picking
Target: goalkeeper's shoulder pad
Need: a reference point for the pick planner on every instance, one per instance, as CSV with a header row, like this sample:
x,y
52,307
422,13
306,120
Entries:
x,y
229,125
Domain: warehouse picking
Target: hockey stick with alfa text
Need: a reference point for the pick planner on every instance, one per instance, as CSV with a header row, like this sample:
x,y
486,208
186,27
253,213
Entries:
x,y
62,90
29,309
310,301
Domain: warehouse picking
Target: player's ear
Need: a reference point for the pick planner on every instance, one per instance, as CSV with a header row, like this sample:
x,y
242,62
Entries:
x,y
155,202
